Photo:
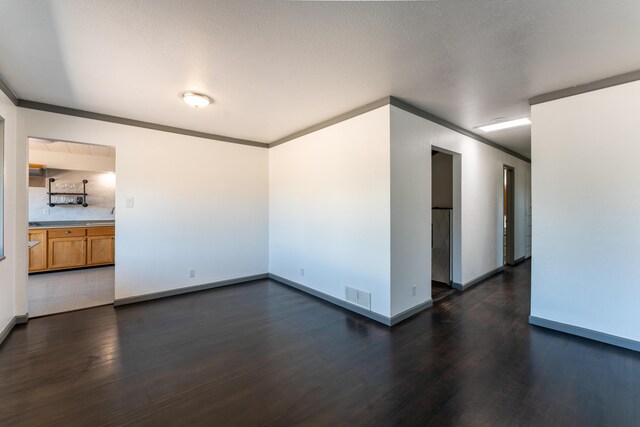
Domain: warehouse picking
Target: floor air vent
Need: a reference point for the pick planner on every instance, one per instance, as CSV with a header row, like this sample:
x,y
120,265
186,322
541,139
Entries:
x,y
357,297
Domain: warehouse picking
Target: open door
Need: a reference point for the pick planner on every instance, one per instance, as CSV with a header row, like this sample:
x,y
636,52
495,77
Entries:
x,y
442,223
509,216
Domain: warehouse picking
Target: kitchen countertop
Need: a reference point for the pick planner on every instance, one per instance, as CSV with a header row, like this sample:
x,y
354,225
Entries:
x,y
70,224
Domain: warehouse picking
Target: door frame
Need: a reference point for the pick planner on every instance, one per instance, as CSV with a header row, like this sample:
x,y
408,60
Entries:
x,y
26,271
455,260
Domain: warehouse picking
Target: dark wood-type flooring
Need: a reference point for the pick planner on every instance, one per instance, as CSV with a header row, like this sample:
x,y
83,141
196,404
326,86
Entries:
x,y
262,354
440,291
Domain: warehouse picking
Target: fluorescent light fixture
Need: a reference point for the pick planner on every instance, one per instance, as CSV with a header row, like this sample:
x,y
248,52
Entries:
x,y
196,100
505,125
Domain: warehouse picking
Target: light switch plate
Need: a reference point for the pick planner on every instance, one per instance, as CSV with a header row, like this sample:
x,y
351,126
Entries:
x,y
128,202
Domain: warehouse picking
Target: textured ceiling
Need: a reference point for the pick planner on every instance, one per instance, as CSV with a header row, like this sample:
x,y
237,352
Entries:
x,y
275,67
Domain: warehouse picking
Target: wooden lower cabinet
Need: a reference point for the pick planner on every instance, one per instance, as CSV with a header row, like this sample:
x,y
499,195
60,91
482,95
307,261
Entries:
x,y
38,253
71,248
67,252
100,250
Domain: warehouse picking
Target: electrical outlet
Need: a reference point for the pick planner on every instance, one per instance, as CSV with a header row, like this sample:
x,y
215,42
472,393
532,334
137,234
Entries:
x,y
128,202
192,274
302,271
413,290
46,211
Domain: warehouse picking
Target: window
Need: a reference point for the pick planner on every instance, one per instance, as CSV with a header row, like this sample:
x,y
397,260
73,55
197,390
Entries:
x,y
1,188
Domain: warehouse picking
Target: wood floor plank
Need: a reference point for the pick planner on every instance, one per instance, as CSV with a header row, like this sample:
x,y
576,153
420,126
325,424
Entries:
x,y
265,354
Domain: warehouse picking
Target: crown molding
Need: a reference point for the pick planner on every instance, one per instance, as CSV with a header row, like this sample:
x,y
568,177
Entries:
x,y
40,106
588,87
332,121
387,100
409,108
7,91
32,105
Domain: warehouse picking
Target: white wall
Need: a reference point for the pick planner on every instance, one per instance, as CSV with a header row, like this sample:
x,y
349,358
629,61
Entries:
x,y
442,180
329,203
586,211
481,199
410,215
198,204
101,197
351,205
53,159
7,267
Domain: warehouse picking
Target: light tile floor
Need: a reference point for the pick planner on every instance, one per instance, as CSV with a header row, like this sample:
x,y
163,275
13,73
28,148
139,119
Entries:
x,y
60,291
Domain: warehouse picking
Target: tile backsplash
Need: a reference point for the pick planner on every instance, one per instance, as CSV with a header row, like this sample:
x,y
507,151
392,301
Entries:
x,y
100,197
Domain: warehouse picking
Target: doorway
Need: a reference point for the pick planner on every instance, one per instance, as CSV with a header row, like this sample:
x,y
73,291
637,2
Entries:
x,y
71,226
508,216
442,224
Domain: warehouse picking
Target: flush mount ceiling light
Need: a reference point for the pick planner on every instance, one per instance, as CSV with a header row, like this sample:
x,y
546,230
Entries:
x,y
505,125
195,99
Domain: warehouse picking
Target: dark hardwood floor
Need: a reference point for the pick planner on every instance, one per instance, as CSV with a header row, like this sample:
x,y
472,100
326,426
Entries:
x,y
440,291
263,354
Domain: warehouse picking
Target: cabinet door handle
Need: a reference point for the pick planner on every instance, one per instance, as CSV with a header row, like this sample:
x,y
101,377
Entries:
x,y
67,232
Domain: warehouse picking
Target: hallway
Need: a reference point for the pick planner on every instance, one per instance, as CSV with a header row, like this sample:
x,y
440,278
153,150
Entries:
x,y
264,354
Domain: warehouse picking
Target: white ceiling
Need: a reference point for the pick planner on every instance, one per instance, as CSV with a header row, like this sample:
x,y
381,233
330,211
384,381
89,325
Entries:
x,y
71,147
275,67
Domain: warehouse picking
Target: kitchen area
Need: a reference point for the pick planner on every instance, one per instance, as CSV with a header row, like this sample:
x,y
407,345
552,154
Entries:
x,y
72,227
